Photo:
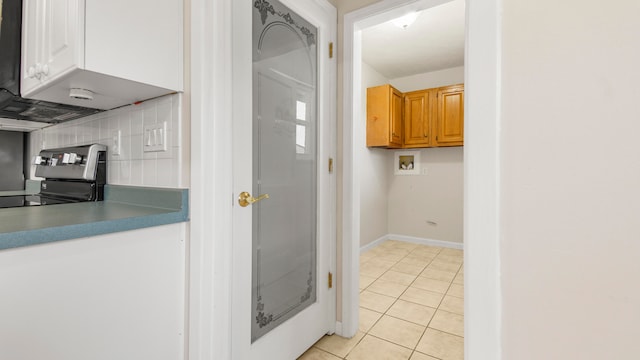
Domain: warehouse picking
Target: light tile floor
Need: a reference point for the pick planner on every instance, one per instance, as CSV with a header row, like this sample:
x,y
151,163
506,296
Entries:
x,y
411,307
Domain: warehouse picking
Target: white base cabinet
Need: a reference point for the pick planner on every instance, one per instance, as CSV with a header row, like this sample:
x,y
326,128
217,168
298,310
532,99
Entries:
x,y
116,51
116,296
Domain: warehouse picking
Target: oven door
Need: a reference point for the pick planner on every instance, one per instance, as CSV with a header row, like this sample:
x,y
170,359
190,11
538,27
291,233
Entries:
x,y
12,201
74,191
21,200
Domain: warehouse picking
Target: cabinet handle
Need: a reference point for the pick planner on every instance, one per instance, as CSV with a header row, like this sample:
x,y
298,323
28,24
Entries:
x,y
37,71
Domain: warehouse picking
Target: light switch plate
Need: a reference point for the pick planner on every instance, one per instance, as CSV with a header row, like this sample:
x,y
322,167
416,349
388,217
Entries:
x,y
155,137
117,145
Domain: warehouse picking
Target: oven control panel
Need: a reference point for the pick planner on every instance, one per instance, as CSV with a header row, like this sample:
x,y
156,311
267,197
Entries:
x,y
77,163
61,159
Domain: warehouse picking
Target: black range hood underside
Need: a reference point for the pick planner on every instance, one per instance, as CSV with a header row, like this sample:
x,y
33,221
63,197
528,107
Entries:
x,y
16,107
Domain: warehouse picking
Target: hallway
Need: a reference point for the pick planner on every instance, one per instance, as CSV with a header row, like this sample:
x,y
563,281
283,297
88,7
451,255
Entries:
x,y
411,307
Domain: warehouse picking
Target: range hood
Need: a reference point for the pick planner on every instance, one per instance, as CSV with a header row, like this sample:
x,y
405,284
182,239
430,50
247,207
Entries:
x,y
12,105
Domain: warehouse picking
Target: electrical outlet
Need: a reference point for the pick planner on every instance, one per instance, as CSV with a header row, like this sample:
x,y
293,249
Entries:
x,y
117,144
155,137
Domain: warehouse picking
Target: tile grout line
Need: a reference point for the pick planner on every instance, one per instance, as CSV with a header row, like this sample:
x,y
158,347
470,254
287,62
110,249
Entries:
x,y
437,308
436,256
398,298
393,303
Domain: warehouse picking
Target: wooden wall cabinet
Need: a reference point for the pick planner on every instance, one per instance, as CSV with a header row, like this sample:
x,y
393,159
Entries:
x,y
384,117
417,119
419,112
449,127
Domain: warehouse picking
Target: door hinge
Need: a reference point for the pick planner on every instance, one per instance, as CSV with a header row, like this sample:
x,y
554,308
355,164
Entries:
x,y
330,280
330,50
330,165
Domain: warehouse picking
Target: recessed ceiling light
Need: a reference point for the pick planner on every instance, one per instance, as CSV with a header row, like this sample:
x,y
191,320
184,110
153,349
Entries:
x,y
405,21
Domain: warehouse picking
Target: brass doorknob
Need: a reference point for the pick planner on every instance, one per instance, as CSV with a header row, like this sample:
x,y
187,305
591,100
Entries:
x,y
245,199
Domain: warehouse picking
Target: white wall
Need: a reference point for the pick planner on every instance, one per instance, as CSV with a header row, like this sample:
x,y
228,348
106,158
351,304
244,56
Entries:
x,y
432,79
417,200
375,170
132,166
570,242
116,296
434,196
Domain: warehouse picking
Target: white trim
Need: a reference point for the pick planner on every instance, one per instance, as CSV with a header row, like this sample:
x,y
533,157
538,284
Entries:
x,y
425,241
483,294
210,226
412,239
375,243
350,180
338,327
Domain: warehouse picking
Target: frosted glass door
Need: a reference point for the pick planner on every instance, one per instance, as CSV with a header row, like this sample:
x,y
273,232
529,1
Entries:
x,y
284,165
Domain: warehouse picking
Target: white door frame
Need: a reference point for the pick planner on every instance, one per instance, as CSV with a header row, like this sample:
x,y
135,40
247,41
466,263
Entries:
x,y
481,167
208,85
210,247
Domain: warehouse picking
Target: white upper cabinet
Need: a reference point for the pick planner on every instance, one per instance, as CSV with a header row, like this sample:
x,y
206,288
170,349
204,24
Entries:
x,y
116,51
52,41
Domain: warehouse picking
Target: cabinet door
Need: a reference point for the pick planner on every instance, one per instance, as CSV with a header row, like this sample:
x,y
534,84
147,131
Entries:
x,y
64,42
450,124
384,117
395,136
32,35
417,118
56,47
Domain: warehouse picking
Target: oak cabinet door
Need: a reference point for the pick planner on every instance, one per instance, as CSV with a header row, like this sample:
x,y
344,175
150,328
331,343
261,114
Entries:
x,y
450,123
419,115
384,117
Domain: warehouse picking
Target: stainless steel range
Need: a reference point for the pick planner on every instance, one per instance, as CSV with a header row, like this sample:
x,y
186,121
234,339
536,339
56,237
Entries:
x,y
72,174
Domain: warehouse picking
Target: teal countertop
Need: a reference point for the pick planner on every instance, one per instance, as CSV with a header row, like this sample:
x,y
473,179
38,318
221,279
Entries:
x,y
125,208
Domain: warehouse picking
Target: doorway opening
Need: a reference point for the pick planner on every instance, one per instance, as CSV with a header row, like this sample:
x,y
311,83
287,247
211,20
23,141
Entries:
x,y
423,59
480,206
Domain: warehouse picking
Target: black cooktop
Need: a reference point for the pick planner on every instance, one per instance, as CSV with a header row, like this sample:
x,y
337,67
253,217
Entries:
x,y
72,174
32,200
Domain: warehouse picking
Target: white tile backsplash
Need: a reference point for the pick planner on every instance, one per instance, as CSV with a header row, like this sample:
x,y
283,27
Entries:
x,y
132,166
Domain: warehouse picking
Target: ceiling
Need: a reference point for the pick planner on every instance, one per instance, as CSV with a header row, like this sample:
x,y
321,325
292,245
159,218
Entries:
x,y
435,41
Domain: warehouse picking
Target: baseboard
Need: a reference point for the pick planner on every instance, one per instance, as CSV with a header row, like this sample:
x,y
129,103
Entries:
x,y
374,243
423,241
411,239
338,328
